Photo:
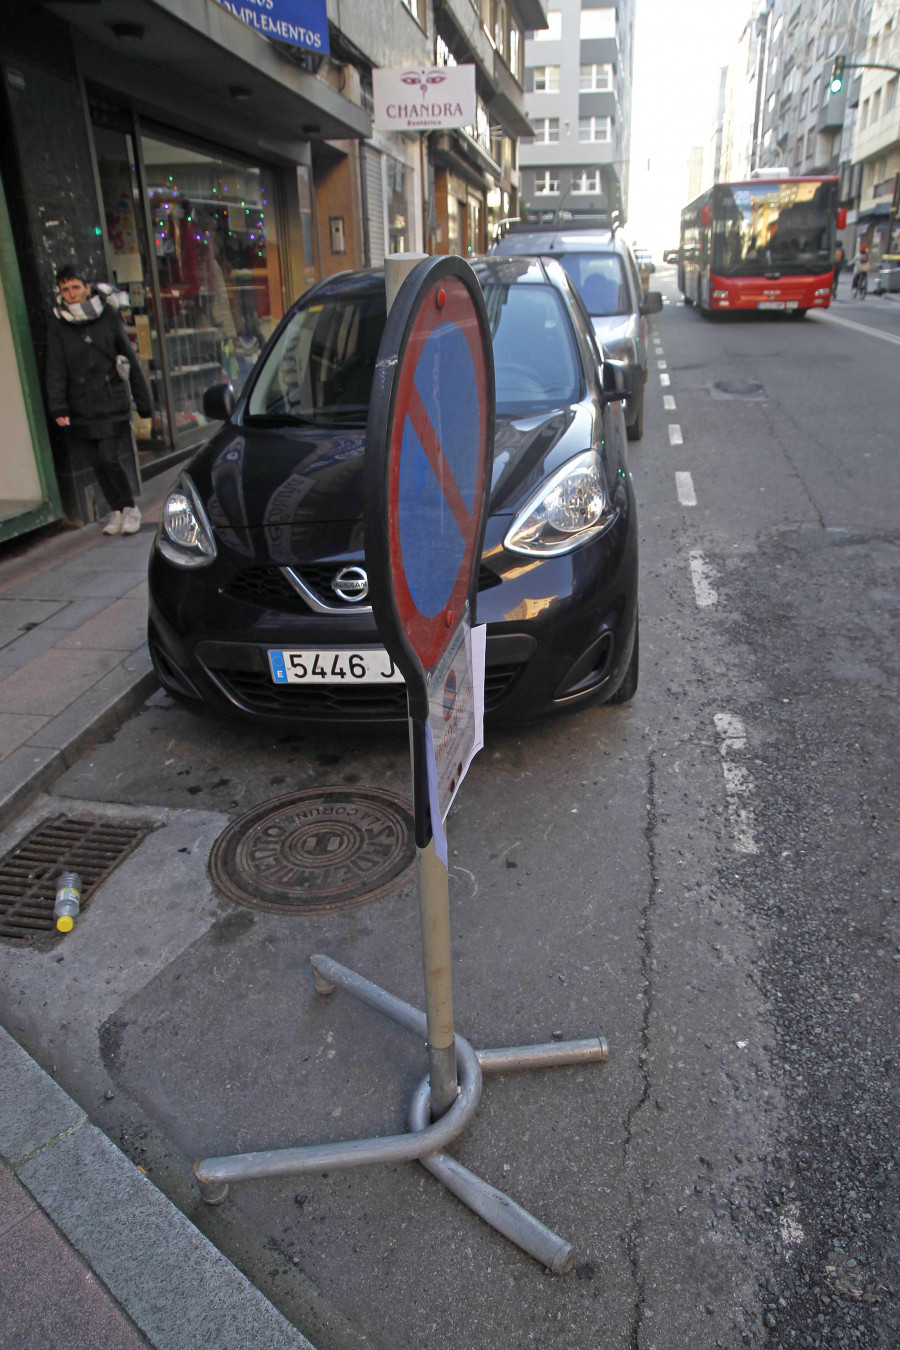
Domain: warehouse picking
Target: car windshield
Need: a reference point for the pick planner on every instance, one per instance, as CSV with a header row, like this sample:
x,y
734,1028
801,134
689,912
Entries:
x,y
536,365
322,363
321,366
600,278
764,228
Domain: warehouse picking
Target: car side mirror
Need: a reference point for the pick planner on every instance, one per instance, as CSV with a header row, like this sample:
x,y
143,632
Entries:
x,y
218,401
617,380
652,303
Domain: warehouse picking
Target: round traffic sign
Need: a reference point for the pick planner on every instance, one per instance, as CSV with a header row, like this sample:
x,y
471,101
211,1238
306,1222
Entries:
x,y
429,441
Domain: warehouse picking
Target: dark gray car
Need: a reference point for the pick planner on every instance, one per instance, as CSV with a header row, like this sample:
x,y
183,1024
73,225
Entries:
x,y
603,268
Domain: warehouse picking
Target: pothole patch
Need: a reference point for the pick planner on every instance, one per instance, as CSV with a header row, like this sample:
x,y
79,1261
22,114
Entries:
x,y
727,389
315,851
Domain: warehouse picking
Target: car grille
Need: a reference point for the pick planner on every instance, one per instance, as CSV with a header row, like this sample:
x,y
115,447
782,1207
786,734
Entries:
x,y
269,588
255,690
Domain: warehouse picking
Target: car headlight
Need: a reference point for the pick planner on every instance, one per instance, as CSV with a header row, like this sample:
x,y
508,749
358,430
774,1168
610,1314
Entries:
x,y
568,510
185,536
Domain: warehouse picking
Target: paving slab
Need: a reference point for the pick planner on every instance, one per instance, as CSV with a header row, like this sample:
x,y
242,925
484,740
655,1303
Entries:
x,y
17,728
58,584
80,1315
51,682
119,627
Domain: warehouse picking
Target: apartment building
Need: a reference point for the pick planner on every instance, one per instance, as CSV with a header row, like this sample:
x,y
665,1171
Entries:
x,y
783,113
578,80
876,144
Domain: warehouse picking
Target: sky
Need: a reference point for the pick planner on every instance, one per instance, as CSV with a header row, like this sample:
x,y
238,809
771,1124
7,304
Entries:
x,y
680,47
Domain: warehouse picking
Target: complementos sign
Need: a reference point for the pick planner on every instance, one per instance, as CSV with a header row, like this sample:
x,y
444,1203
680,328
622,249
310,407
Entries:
x,y
424,97
303,23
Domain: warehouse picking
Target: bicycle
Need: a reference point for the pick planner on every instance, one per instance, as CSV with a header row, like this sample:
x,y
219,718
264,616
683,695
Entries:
x,y
860,285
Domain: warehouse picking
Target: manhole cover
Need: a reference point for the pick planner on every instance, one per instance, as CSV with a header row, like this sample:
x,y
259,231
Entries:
x,y
739,388
314,851
29,872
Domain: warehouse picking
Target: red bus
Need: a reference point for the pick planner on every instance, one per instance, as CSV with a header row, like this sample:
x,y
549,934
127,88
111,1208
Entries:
x,y
761,244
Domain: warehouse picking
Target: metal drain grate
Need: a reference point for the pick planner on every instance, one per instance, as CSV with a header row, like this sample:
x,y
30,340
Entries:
x,y
29,872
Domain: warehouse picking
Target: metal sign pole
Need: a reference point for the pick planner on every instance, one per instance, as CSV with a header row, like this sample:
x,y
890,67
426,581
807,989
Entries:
x,y
428,446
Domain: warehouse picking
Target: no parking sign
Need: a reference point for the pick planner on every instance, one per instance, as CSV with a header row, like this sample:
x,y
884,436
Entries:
x,y
428,451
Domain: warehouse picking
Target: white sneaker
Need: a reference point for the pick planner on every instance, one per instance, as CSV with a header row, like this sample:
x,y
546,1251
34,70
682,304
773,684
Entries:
x,y
114,524
131,520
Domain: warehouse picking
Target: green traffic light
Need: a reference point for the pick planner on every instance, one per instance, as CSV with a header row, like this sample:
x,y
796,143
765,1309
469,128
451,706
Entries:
x,y
837,74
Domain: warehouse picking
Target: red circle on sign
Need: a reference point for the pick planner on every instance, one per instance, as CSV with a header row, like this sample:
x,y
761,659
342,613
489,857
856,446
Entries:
x,y
429,634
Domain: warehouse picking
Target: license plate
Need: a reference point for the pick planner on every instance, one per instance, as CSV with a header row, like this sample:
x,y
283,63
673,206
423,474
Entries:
x,y
333,665
771,304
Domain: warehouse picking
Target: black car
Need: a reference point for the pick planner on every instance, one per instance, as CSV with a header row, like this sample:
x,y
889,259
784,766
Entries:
x,y
257,574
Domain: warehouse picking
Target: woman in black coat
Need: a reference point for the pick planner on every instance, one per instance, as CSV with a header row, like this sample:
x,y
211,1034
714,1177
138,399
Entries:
x,y
92,374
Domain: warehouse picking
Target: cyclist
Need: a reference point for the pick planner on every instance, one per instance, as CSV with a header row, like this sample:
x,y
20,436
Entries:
x,y
861,272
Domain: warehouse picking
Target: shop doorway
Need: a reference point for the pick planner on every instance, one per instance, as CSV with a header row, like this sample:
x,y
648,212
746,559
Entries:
x,y
192,241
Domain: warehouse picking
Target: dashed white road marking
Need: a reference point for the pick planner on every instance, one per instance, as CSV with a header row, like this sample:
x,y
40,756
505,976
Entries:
x,y
675,436
701,575
669,402
665,381
738,782
684,486
662,365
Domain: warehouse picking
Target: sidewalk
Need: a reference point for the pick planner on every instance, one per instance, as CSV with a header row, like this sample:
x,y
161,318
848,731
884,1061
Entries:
x,y
92,1253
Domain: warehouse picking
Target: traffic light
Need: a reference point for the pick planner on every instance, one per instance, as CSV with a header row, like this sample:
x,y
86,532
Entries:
x,y
837,74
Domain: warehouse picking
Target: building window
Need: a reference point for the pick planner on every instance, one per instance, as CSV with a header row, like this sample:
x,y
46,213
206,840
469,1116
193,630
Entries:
x,y
594,128
501,26
814,96
864,114
876,105
544,185
414,7
546,79
596,77
515,50
586,181
890,100
553,31
546,130
810,142
598,23
771,103
804,103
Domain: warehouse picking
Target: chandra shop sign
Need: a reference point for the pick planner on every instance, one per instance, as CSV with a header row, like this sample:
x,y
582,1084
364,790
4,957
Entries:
x,y
303,23
423,97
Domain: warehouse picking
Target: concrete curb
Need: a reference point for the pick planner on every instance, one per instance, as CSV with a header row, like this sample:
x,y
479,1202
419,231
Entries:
x,y
177,1288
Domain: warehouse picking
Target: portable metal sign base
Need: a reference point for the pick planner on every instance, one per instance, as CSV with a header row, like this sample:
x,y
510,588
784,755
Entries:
x,y
427,1140
429,447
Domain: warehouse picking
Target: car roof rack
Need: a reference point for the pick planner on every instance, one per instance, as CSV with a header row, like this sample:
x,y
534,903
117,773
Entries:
x,y
558,219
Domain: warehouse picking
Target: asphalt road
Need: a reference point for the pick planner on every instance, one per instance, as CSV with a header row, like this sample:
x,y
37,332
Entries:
x,y
706,877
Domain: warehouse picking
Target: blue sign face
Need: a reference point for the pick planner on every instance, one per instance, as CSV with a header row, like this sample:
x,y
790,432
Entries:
x,y
438,468
303,23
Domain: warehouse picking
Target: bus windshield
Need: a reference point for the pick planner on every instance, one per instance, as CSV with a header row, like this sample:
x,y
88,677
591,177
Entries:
x,y
780,228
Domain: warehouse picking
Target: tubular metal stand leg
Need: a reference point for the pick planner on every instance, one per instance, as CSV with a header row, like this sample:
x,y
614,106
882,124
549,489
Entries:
x,y
427,1140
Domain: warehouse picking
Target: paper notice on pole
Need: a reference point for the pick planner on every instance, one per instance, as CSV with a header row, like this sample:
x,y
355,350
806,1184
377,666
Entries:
x,y
455,727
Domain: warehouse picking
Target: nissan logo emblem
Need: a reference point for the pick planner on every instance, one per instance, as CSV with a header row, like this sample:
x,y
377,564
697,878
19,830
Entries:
x,y
351,583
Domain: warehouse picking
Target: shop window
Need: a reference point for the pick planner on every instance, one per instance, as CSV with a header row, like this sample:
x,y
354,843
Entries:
x,y
399,206
219,268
